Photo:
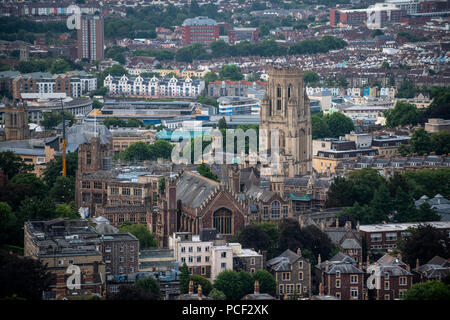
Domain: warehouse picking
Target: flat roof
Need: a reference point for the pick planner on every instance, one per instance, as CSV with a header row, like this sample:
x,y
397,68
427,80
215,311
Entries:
x,y
402,226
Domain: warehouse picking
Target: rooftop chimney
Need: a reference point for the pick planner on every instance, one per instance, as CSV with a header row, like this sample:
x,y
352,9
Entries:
x,y
321,289
256,287
199,291
319,261
326,266
191,287
417,265
299,252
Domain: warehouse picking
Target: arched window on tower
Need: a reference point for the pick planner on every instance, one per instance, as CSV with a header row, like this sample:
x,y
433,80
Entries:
x,y
278,97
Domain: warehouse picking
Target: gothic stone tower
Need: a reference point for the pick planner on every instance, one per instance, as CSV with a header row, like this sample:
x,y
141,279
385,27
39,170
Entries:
x,y
16,122
285,108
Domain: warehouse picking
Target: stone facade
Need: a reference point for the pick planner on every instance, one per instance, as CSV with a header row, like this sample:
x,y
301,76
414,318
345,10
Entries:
x,y
292,273
285,108
16,123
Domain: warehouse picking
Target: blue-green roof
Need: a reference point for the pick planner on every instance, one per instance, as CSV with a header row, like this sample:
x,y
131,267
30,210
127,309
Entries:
x,y
305,197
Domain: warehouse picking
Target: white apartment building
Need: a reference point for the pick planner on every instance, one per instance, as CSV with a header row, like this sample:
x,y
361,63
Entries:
x,y
153,87
206,258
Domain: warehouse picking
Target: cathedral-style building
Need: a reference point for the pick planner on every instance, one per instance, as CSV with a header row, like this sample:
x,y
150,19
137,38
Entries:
x,y
285,112
16,122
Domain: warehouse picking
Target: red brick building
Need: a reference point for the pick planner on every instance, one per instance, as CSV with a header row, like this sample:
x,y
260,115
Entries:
x,y
191,202
200,29
385,236
391,281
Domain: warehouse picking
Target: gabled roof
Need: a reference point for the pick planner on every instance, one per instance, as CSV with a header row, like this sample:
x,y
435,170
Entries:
x,y
284,261
439,261
390,259
193,189
350,244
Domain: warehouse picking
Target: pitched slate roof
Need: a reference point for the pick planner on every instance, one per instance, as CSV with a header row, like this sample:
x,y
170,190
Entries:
x,y
283,261
193,189
350,244
394,270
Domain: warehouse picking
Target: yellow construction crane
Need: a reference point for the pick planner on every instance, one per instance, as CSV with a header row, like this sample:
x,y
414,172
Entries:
x,y
64,170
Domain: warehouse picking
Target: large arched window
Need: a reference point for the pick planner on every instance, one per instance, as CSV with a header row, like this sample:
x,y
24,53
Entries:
x,y
222,221
275,211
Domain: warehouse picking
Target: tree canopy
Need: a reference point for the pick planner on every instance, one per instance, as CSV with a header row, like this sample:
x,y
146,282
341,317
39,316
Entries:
x,y
140,151
430,290
146,237
424,243
22,276
402,114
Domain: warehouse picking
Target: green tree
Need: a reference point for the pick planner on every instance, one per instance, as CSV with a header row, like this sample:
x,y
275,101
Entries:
x,y
211,76
402,114
267,283
151,286
381,203
23,277
200,280
222,124
340,193
227,281
272,230
38,186
430,290
63,190
12,164
254,236
310,77
406,90
97,104
319,127
35,208
161,149
60,66
217,294
7,224
424,243
137,151
421,142
54,168
441,142
140,231
184,278
310,237
338,124
231,72
67,211
205,171
220,49
428,182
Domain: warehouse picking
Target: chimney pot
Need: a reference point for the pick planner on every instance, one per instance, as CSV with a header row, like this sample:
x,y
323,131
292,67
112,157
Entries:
x,y
256,289
199,291
191,287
